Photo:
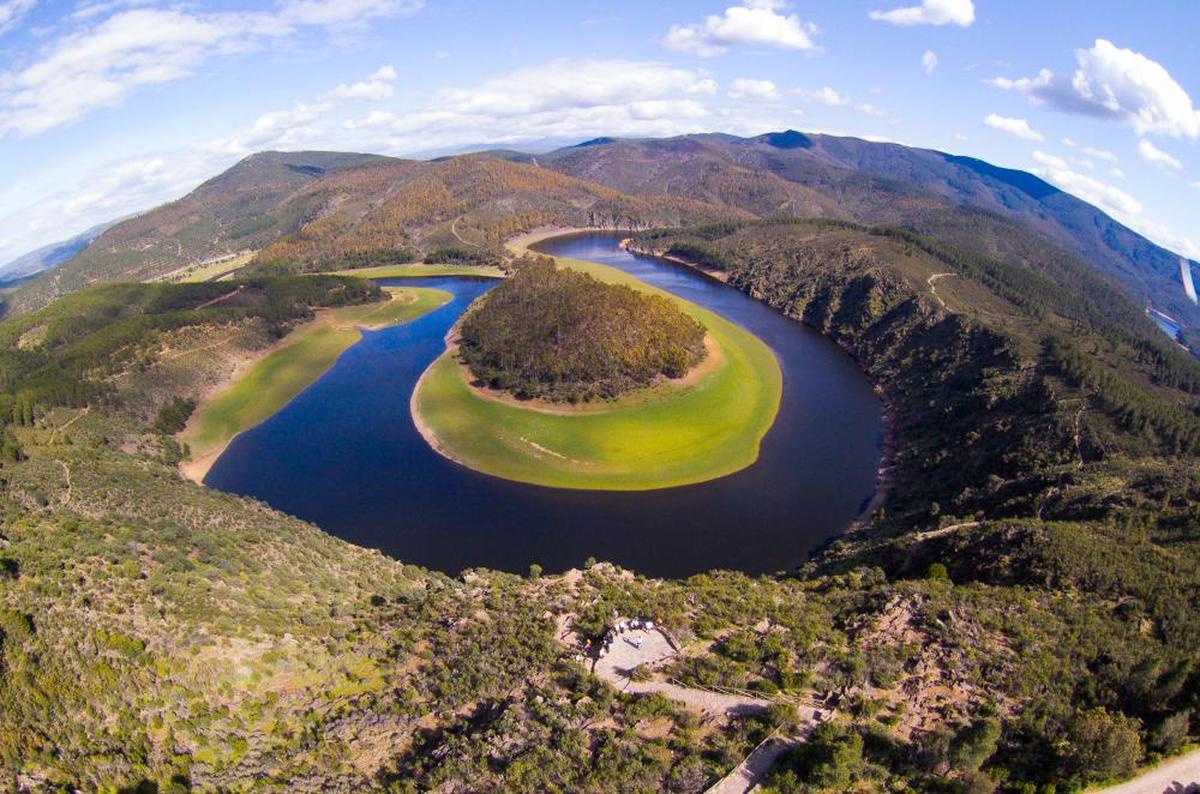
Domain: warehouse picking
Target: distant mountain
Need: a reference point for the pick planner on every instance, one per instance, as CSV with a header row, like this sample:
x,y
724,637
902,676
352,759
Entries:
x,y
322,209
961,200
326,207
48,256
234,211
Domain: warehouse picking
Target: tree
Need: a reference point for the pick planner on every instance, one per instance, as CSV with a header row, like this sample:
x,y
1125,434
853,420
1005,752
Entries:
x,y
1102,745
975,744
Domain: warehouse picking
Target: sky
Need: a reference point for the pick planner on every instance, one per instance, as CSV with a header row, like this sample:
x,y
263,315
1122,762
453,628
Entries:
x,y
110,107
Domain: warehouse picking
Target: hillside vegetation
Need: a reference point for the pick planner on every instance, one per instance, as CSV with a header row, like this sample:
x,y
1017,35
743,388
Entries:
x,y
1020,614
560,334
959,201
310,211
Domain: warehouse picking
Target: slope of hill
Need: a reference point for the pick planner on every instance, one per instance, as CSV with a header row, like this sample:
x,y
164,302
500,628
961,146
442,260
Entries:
x,y
459,208
316,210
51,255
234,211
1020,611
964,201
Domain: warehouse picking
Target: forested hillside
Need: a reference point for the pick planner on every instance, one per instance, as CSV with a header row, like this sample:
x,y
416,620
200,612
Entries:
x,y
240,209
322,210
958,200
562,335
307,211
1019,614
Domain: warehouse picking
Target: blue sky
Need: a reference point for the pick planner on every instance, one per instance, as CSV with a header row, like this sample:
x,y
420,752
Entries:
x,y
108,107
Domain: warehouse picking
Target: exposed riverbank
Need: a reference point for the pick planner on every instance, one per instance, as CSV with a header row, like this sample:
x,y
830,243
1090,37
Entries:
x,y
267,382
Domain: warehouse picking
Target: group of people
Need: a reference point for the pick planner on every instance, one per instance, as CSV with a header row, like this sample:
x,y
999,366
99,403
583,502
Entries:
x,y
620,627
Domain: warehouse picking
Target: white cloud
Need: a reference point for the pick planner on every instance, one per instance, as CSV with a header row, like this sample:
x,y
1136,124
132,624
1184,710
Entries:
x,y
930,12
1117,172
746,88
1017,127
376,87
1116,202
340,13
755,23
1105,196
831,97
1100,154
929,61
560,100
565,84
1051,161
824,96
1196,185
103,64
958,136
1068,143
1115,84
1156,156
283,129
12,11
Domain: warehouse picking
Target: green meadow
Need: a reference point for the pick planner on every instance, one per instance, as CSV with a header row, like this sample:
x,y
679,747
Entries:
x,y
302,357
661,437
418,270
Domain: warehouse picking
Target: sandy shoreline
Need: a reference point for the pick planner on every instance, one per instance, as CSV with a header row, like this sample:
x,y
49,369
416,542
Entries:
x,y
520,243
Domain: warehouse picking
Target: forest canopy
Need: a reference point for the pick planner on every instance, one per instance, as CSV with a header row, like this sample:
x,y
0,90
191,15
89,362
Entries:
x,y
562,335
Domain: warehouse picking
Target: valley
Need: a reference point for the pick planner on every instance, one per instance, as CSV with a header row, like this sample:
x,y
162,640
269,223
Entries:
x,y
1015,610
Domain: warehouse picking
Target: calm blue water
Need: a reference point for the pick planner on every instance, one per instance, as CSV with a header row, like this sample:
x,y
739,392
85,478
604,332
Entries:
x,y
345,455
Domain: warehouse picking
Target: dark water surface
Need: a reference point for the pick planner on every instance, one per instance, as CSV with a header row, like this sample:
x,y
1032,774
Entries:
x,y
345,455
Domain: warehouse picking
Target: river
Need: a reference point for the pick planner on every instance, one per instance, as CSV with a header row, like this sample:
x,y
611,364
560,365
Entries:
x,y
345,455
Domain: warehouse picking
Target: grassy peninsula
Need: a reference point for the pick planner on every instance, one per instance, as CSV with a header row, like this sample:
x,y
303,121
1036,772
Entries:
x,y
669,434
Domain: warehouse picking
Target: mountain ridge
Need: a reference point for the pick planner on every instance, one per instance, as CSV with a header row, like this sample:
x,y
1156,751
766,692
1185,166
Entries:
x,y
277,200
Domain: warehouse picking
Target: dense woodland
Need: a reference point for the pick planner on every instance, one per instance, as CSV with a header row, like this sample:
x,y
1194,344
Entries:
x,y
561,335
1019,615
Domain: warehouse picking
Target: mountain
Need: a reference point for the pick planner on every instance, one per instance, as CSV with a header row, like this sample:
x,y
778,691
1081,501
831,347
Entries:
x,y
323,209
51,255
237,210
962,200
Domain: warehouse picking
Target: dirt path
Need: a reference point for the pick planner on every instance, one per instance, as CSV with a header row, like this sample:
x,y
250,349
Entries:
x,y
459,237
933,290
937,533
634,648
1178,776
66,500
66,425
748,774
224,297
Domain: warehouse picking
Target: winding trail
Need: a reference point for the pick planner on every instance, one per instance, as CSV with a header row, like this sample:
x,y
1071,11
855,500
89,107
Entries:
x,y
937,533
66,500
933,290
459,237
637,647
84,411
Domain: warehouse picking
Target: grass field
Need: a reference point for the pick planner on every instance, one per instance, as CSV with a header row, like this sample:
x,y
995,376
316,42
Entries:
x,y
302,357
207,272
666,436
416,270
